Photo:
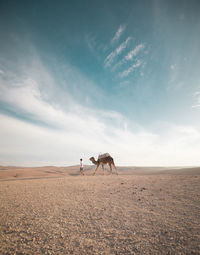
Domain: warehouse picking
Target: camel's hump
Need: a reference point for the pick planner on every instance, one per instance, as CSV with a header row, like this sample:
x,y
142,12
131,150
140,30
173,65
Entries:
x,y
105,155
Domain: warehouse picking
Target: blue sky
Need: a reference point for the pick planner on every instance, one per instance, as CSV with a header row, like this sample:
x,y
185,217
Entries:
x,y
82,77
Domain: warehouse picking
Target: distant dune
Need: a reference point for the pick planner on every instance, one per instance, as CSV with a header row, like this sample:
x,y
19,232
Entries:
x,y
15,172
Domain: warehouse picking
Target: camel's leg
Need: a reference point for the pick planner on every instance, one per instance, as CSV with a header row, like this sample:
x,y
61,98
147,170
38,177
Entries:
x,y
103,168
96,170
115,168
110,165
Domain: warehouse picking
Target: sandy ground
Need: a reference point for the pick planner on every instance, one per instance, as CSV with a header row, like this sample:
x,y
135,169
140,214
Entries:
x,y
125,214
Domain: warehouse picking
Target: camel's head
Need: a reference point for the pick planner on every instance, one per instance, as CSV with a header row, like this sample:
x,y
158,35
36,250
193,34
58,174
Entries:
x,y
93,160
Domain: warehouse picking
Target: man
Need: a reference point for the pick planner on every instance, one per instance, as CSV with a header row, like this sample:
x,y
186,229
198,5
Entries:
x,y
81,167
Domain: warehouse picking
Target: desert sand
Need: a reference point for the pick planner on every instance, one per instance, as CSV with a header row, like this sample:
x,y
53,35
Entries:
x,y
54,210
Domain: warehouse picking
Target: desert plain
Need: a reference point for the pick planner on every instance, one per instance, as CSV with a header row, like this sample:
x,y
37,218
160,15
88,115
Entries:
x,y
143,210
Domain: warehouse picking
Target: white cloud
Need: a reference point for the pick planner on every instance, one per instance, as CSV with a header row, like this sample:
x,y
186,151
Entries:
x,y
134,52
197,93
55,133
80,124
118,34
110,58
130,69
28,100
83,132
197,96
129,56
196,106
117,65
23,143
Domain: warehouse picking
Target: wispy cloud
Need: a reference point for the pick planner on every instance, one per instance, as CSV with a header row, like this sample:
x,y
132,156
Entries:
x,y
30,94
134,52
26,97
118,34
196,106
110,58
197,93
91,42
130,69
95,46
197,96
24,143
48,131
77,129
129,56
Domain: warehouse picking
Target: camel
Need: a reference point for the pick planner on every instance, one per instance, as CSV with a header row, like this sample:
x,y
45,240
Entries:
x,y
103,160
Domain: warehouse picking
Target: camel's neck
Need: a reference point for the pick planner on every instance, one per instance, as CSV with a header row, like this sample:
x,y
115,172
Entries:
x,y
94,162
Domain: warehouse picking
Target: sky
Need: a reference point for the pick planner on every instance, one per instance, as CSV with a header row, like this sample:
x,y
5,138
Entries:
x,y
80,78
